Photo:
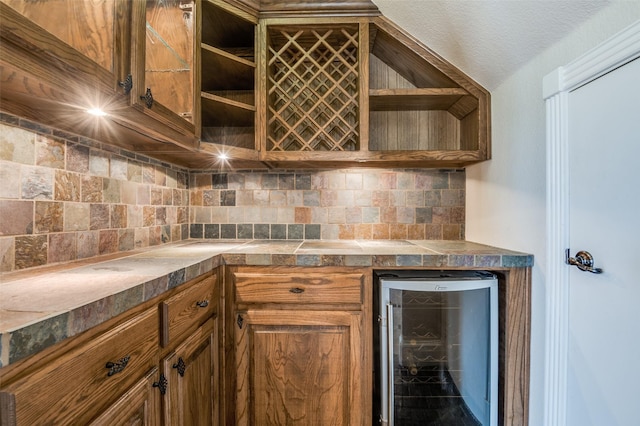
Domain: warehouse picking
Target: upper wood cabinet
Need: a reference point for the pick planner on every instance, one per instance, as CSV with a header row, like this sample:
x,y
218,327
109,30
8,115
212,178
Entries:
x,y
422,110
312,73
52,73
313,84
77,65
85,26
163,61
346,91
228,79
268,83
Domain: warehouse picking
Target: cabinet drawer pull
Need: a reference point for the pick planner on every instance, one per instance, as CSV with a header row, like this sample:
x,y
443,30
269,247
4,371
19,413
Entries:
x,y
202,303
296,290
118,366
180,366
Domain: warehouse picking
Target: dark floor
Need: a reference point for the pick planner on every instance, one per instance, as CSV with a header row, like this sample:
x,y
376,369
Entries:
x,y
428,396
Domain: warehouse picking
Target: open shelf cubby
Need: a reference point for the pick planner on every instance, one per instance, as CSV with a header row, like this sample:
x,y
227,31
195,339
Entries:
x,y
228,76
414,105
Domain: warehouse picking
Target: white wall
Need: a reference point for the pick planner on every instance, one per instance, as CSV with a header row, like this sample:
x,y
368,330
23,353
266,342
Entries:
x,y
506,196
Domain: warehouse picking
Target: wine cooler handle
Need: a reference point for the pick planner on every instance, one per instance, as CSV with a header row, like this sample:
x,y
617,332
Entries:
x,y
390,363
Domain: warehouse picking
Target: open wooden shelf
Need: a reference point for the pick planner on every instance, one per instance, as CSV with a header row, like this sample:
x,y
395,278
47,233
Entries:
x,y
420,103
226,27
228,71
227,121
224,70
222,111
414,99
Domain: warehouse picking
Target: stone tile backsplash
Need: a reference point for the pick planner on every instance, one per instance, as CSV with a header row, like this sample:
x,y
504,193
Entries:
x,y
337,204
64,197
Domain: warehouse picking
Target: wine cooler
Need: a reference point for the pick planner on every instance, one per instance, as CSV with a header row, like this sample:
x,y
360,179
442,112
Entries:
x,y
436,348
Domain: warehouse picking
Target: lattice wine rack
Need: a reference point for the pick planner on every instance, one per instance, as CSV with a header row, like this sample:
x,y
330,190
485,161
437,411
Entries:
x,y
313,88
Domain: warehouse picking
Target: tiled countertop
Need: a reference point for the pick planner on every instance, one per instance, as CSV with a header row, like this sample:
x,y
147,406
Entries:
x,y
41,307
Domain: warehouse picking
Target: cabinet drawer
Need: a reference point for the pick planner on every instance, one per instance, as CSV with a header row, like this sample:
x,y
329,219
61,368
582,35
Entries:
x,y
299,286
188,309
85,380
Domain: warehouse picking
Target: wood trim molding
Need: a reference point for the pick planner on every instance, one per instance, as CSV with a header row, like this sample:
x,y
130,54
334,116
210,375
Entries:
x,y
615,52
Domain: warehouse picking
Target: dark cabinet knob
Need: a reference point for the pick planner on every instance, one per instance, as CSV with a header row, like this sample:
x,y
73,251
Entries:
x,y
161,384
240,321
127,84
202,303
180,366
147,98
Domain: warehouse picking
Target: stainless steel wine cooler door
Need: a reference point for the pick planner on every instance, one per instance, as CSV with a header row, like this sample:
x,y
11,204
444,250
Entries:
x,y
438,349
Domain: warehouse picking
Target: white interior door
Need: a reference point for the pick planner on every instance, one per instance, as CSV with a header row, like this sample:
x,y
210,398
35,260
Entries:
x,y
603,368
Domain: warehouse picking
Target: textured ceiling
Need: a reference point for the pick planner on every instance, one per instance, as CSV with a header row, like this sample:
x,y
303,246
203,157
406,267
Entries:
x,y
489,39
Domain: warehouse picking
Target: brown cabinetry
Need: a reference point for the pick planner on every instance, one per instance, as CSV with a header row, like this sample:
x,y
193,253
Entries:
x,y
185,310
422,109
360,90
192,375
91,50
228,79
301,347
118,373
289,84
104,57
162,62
87,379
190,361
312,75
137,406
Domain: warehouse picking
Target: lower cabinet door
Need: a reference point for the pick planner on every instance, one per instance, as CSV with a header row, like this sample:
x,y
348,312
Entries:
x,y
139,406
299,368
191,370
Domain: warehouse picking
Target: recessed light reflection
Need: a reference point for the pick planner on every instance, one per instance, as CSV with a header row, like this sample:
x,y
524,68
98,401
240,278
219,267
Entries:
x,y
223,156
96,112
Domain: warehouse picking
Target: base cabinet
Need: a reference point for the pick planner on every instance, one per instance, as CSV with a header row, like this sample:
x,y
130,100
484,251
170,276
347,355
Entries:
x,y
138,406
85,380
192,376
300,346
298,368
123,372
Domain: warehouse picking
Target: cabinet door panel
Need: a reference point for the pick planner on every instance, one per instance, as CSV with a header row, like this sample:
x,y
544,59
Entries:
x,y
169,53
192,373
139,406
163,57
302,374
299,368
86,28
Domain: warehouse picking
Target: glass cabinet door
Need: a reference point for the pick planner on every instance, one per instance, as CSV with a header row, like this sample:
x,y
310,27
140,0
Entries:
x,y
163,51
